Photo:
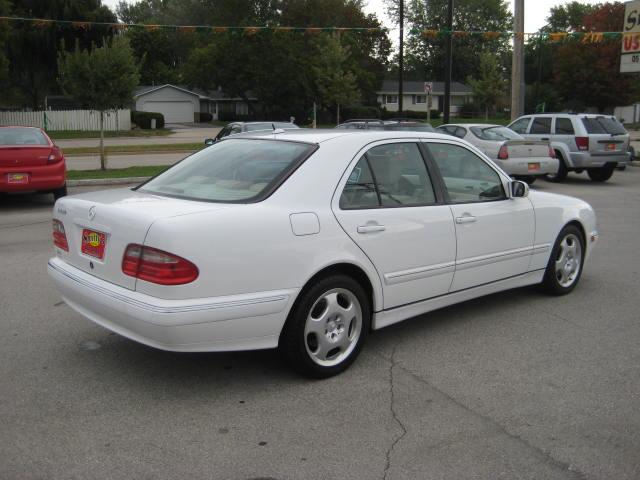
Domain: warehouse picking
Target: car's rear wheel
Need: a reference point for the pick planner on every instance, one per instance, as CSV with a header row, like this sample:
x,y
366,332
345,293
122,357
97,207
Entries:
x,y
327,327
601,174
60,192
561,174
565,263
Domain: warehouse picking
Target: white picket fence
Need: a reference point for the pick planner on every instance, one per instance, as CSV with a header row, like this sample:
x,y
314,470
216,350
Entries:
x,y
84,120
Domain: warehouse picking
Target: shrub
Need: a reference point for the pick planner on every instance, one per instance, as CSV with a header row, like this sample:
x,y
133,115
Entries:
x,y
360,111
203,117
143,119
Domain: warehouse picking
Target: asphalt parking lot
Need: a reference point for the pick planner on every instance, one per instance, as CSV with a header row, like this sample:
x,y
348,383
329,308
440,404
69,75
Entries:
x,y
516,385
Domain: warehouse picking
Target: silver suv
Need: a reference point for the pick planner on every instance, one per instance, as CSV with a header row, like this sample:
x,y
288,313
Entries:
x,y
582,141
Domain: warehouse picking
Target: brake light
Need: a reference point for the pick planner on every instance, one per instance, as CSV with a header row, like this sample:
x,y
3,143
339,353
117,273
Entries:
x,y
157,266
503,153
59,236
582,143
55,156
552,152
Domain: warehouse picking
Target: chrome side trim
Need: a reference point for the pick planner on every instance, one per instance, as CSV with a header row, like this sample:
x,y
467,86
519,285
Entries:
x,y
493,258
420,272
166,310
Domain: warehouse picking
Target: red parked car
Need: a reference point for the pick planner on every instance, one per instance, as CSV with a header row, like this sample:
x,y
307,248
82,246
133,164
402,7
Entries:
x,y
30,162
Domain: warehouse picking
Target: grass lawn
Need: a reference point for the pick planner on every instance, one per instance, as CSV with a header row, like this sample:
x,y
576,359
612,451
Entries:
x,y
123,149
147,171
73,134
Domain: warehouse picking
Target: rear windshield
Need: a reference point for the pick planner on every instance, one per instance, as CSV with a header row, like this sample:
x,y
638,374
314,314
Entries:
x,y
252,127
495,133
603,125
231,171
22,136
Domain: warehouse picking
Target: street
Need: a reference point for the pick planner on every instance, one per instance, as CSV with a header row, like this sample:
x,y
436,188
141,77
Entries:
x,y
514,385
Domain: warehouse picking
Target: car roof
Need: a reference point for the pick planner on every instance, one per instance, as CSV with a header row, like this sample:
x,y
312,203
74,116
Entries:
x,y
316,136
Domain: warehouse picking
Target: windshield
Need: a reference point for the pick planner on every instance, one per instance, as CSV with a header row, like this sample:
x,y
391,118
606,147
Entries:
x,y
22,136
234,170
608,125
499,134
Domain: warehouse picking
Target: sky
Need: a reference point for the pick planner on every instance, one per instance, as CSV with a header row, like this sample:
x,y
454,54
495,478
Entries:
x,y
535,11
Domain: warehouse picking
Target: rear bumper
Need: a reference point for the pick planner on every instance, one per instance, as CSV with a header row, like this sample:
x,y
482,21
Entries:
x,y
237,322
41,178
592,160
520,166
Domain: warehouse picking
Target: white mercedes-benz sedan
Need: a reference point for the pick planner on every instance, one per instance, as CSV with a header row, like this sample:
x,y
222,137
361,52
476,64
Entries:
x,y
306,240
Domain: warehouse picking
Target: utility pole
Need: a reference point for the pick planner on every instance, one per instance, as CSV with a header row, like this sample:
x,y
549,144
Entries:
x,y
401,60
447,66
517,64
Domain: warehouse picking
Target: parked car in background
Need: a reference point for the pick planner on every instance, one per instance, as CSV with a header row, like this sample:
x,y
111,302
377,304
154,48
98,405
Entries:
x,y
30,162
581,141
388,125
308,239
523,159
234,128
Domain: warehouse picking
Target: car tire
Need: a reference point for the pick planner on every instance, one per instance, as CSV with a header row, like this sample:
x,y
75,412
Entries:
x,y
601,174
565,262
327,327
562,172
528,179
60,192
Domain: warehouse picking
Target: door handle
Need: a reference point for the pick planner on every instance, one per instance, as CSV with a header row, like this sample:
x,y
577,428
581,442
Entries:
x,y
371,228
544,138
466,219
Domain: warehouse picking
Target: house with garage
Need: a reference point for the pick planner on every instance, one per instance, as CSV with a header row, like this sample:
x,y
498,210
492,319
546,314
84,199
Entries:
x,y
415,98
180,104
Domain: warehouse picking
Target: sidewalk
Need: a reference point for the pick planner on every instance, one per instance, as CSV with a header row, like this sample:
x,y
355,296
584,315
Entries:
x,y
182,135
92,162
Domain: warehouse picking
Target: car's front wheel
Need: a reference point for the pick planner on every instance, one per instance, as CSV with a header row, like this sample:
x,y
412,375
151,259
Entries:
x,y
327,327
565,264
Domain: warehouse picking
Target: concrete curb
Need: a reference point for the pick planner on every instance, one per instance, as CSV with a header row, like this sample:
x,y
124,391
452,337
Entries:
x,y
87,182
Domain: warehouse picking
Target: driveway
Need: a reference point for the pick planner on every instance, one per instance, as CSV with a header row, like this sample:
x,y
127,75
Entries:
x,y
517,385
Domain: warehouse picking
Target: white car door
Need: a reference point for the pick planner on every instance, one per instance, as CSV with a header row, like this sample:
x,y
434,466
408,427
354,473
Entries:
x,y
388,205
494,233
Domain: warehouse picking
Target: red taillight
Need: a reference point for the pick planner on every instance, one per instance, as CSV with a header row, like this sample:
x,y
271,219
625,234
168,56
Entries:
x,y
552,152
503,153
59,236
55,156
156,266
582,143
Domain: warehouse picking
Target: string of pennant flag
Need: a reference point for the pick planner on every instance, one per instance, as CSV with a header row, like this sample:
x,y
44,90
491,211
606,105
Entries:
x,y
584,37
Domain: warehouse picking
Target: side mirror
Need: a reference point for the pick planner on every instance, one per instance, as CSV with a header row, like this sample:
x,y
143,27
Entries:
x,y
519,189
209,141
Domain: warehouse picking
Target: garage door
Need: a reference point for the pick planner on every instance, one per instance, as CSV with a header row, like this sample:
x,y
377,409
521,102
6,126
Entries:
x,y
174,112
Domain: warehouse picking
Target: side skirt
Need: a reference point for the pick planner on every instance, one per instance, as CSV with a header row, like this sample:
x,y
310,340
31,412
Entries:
x,y
389,317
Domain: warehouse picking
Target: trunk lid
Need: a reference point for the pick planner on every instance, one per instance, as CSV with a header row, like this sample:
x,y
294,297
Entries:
x,y
117,217
24,155
528,149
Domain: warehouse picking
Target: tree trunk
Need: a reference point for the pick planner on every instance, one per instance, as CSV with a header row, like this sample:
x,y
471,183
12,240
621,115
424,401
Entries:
x,y
103,157
486,112
338,115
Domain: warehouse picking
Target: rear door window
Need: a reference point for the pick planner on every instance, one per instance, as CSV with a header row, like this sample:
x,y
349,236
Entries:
x,y
541,125
564,126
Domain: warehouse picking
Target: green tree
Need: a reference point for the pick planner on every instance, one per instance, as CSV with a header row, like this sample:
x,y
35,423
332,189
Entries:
x,y
33,50
489,88
425,57
336,85
568,17
100,78
4,33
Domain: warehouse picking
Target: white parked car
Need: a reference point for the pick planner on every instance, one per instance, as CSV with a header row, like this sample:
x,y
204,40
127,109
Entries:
x,y
307,239
521,158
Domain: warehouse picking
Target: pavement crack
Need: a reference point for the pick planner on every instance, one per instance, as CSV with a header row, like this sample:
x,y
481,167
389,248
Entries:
x,y
573,471
394,413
